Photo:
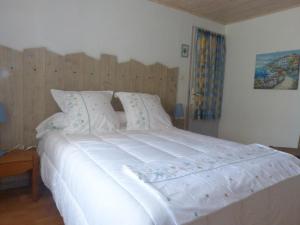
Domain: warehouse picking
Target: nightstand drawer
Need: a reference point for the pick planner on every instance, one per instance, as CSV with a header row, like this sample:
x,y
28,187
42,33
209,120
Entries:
x,y
15,168
17,162
17,156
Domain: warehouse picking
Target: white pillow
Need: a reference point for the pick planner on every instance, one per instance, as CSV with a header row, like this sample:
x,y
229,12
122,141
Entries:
x,y
122,118
144,111
88,112
56,122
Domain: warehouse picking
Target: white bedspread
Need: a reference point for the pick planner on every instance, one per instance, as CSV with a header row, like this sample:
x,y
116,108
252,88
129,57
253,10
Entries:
x,y
234,184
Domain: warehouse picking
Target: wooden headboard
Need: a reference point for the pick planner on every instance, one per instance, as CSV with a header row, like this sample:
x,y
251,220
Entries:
x,y
33,72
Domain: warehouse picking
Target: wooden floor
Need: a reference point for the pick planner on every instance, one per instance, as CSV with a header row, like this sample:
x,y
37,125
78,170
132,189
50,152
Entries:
x,y
17,208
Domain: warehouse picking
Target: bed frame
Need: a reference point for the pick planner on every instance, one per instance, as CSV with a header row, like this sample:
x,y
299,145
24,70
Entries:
x,y
33,72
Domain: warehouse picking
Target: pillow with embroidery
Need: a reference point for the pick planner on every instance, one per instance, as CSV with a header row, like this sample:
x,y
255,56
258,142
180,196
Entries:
x,y
88,112
56,122
122,118
144,111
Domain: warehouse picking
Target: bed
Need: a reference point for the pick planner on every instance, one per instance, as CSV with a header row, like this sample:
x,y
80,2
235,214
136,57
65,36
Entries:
x,y
155,174
238,184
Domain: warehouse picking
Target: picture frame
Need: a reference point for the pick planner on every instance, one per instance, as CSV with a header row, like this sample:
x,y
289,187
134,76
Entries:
x,y
277,70
185,49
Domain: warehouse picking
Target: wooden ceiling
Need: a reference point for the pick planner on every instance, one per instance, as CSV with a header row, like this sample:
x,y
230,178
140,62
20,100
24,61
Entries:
x,y
230,11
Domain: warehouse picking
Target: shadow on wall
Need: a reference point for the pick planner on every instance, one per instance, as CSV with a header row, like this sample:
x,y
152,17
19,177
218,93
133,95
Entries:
x,y
209,128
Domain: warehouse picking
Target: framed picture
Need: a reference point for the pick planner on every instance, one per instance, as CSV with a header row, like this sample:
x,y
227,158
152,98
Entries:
x,y
185,50
277,70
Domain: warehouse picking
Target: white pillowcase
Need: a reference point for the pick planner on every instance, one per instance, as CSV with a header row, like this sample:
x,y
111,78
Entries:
x,y
88,112
122,118
144,111
56,122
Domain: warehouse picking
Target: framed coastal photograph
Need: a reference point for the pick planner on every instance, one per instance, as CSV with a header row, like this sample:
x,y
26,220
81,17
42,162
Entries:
x,y
277,70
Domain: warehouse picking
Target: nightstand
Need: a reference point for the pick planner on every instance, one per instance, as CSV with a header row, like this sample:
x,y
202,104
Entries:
x,y
179,123
19,161
292,151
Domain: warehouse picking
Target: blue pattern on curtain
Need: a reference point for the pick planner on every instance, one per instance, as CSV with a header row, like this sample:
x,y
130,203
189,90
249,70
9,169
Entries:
x,y
207,77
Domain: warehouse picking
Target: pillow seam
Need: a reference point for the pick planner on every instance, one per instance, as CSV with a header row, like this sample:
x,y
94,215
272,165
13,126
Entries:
x,y
147,112
87,111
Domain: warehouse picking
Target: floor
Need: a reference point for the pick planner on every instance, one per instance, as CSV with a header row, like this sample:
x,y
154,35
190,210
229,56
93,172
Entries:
x,y
17,207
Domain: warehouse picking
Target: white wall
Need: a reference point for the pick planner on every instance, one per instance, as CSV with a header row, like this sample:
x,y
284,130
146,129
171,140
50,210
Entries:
x,y
270,117
136,29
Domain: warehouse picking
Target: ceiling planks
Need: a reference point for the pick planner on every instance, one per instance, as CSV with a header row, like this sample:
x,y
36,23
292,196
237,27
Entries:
x,y
230,11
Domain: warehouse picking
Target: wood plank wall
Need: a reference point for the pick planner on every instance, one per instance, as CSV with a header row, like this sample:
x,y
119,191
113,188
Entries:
x,y
33,72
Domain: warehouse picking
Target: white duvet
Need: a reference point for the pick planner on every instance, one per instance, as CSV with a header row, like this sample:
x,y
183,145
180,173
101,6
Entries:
x,y
232,184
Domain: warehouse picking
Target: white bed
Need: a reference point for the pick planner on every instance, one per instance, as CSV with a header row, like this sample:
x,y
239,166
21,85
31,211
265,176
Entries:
x,y
245,185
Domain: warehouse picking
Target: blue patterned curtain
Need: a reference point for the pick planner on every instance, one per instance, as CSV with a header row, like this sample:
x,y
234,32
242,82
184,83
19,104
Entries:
x,y
208,63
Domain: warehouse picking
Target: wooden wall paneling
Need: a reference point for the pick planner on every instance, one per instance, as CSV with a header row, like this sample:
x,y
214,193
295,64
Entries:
x,y
92,78
73,72
146,81
159,72
33,72
34,63
122,83
124,78
163,90
149,81
108,71
172,79
153,79
11,92
138,74
54,79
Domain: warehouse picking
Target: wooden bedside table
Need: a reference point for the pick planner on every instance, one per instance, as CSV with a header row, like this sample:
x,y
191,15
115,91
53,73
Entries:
x,y
179,123
20,161
292,151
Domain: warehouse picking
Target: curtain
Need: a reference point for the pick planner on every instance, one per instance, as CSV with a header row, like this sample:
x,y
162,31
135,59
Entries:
x,y
207,74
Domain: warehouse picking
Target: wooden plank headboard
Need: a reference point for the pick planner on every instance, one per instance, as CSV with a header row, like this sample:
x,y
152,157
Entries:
x,y
33,72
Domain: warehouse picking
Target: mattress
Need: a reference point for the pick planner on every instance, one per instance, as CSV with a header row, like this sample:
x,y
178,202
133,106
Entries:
x,y
242,185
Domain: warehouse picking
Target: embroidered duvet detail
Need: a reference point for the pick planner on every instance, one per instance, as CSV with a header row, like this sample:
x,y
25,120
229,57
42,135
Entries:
x,y
164,170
